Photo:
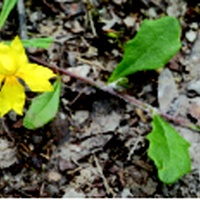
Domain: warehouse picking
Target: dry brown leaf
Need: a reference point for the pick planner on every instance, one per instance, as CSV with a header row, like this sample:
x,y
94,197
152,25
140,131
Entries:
x,y
105,123
80,116
87,147
167,90
70,192
7,154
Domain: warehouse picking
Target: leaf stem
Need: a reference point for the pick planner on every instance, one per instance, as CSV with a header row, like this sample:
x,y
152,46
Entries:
x,y
127,98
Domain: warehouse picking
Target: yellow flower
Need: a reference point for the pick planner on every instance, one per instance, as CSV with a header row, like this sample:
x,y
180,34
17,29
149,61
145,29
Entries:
x,y
14,66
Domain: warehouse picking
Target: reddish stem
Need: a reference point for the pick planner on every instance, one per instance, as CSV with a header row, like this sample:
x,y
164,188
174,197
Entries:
x,y
130,99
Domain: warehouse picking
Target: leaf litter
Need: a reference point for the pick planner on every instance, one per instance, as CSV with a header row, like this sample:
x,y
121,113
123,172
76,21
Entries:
x,y
100,126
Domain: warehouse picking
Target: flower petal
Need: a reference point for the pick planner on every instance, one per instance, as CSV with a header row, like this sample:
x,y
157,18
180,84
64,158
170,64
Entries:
x,y
8,60
17,46
1,79
36,77
12,96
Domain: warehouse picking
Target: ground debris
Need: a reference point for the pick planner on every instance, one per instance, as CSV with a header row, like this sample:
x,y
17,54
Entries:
x,y
166,85
96,146
7,154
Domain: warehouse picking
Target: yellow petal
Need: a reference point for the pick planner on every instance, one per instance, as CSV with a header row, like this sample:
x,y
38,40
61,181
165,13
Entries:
x,y
8,60
1,79
36,77
12,96
16,45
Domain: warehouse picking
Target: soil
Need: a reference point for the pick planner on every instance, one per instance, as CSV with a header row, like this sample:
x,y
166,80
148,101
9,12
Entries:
x,y
96,145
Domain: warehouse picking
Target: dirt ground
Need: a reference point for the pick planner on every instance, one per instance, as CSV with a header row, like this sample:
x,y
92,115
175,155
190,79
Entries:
x,y
96,145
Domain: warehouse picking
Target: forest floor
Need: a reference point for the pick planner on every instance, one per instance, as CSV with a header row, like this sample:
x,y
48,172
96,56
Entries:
x,y
96,145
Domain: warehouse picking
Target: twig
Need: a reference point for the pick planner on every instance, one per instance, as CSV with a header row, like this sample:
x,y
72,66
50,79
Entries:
x,y
109,191
139,139
22,19
83,60
127,98
92,23
6,129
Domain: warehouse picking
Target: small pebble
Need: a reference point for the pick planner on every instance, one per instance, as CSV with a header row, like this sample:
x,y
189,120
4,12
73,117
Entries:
x,y
152,13
119,2
129,21
54,176
191,35
194,25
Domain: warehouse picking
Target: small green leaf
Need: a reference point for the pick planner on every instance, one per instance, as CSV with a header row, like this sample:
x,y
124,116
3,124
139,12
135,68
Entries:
x,y
168,150
35,42
38,42
156,42
7,7
43,108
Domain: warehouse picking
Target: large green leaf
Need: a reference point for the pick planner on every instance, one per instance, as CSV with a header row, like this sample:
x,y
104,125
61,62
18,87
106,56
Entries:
x,y
7,7
43,108
156,42
35,42
168,150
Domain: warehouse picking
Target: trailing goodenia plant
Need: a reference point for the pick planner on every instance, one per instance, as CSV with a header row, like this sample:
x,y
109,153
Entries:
x,y
156,42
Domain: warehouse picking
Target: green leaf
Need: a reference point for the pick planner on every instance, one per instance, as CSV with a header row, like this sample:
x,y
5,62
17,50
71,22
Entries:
x,y
119,85
168,150
43,108
156,42
35,42
7,7
38,42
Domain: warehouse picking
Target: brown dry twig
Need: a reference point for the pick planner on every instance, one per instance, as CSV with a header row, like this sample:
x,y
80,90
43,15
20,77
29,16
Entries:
x,y
109,190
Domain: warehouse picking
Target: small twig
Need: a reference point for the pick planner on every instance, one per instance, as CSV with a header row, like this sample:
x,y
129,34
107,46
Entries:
x,y
42,189
6,129
92,23
22,19
139,139
127,98
109,190
83,60
77,96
